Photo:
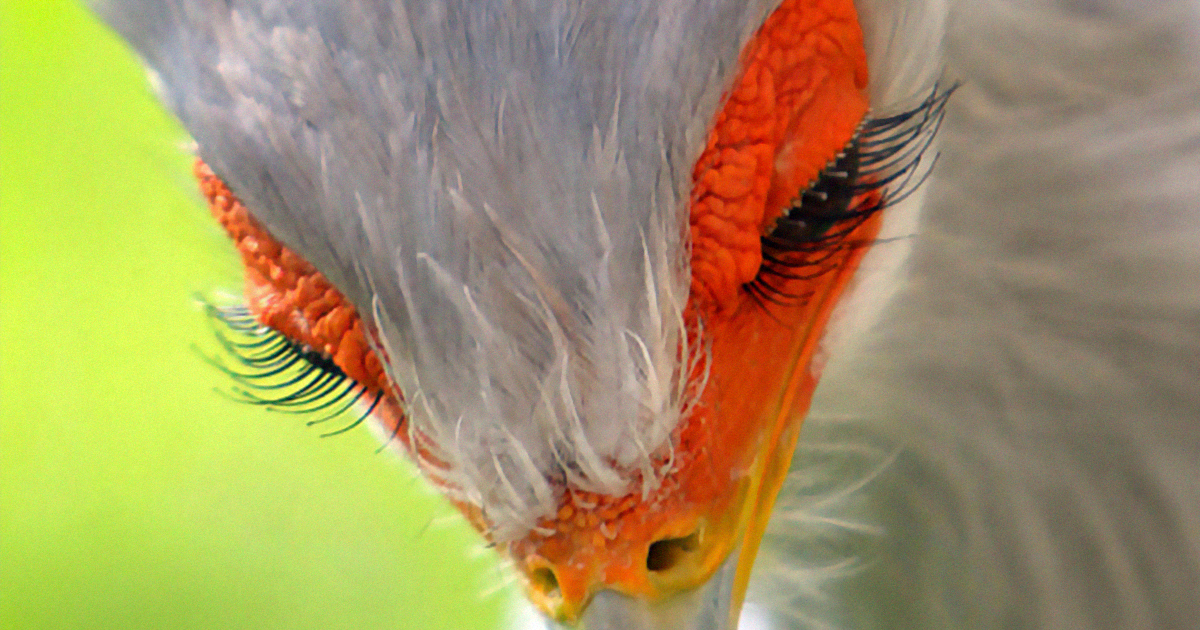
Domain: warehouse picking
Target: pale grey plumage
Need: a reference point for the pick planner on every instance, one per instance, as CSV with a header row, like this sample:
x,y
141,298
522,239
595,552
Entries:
x,y
1017,443
499,187
1014,445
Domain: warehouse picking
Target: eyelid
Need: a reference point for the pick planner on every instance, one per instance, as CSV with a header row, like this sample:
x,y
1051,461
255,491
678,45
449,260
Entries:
x,y
294,317
883,163
275,372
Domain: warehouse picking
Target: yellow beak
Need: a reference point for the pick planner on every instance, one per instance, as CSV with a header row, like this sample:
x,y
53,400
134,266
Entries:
x,y
712,606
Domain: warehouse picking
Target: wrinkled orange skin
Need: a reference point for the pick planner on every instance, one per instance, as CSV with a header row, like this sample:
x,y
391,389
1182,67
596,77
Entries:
x,y
795,104
289,295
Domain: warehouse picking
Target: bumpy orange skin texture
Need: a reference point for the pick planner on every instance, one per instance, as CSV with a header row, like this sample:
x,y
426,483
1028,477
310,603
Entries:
x,y
290,296
797,102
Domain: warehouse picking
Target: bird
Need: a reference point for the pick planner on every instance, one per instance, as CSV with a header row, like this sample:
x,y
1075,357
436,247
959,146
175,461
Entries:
x,y
585,263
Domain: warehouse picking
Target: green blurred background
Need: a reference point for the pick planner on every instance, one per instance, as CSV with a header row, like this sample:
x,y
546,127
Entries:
x,y
133,496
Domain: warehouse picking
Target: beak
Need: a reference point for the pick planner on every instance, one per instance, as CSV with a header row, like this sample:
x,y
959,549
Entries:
x,y
711,606
764,370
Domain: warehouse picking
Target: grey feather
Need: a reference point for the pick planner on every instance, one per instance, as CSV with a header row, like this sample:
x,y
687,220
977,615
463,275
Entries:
x,y
1014,443
500,187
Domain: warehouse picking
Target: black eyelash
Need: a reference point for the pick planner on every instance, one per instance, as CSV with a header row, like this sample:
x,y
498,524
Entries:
x,y
885,155
281,374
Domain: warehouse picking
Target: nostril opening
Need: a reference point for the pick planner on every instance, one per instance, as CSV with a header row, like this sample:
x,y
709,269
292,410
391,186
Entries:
x,y
545,581
667,552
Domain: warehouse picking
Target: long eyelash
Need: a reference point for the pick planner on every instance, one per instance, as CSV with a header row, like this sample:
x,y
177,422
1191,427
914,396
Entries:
x,y
277,373
883,163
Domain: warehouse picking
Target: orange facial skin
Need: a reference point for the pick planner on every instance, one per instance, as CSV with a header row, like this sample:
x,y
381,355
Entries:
x,y
797,101
289,295
795,105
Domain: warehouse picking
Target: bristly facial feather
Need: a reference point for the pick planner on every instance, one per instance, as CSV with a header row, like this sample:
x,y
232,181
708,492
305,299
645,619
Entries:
x,y
516,174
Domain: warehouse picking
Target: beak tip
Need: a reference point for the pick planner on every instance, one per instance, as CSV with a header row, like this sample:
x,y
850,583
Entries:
x,y
752,617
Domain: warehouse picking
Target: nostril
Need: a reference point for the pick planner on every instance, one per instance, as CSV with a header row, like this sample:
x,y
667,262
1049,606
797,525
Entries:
x,y
544,581
666,553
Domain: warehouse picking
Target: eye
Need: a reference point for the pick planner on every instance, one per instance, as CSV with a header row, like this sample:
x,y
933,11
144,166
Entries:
x,y
298,346
883,163
280,374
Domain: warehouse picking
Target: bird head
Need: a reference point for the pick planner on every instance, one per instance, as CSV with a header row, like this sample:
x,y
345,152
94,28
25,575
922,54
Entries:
x,y
579,260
